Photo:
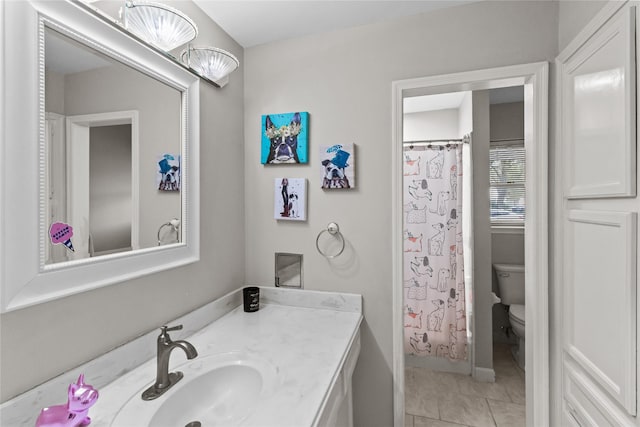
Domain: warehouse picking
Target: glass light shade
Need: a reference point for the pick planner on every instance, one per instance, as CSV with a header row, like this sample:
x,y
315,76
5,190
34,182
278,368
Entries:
x,y
211,62
162,26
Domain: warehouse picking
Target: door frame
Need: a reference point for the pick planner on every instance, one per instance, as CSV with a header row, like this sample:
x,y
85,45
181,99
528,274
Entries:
x,y
55,183
77,148
535,79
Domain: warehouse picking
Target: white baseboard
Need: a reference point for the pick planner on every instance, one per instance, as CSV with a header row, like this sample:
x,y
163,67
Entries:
x,y
485,375
439,364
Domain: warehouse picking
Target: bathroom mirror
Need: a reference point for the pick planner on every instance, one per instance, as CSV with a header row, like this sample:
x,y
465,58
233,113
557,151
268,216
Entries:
x,y
112,169
288,270
100,137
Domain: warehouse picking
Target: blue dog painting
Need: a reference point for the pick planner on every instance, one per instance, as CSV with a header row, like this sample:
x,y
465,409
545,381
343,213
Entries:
x,y
285,138
338,164
168,177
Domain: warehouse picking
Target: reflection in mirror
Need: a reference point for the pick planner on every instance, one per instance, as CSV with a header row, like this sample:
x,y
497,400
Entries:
x,y
113,146
110,189
288,270
169,232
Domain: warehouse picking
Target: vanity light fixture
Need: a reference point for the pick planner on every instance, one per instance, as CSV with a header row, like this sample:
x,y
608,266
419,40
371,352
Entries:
x,y
211,62
159,25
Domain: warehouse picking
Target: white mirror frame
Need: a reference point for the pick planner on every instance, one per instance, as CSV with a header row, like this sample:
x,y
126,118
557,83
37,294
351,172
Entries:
x,y
25,280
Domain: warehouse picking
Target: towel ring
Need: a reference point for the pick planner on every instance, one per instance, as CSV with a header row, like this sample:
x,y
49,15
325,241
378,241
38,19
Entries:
x,y
174,224
332,229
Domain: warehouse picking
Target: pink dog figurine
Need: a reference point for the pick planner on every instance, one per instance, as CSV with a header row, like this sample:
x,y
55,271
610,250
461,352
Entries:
x,y
75,413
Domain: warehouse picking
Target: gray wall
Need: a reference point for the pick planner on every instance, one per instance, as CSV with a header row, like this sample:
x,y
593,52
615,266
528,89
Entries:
x,y
43,341
573,16
437,124
507,122
481,232
54,99
344,80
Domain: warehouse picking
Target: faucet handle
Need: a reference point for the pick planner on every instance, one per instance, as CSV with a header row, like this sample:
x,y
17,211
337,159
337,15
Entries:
x,y
166,328
164,336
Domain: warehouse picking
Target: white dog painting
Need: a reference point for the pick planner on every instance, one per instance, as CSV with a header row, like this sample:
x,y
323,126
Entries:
x,y
289,199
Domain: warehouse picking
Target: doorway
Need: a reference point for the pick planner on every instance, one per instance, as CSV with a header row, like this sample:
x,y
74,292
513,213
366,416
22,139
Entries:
x,y
534,78
102,181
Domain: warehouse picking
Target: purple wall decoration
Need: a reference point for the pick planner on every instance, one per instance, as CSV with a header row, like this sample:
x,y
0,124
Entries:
x,y
59,232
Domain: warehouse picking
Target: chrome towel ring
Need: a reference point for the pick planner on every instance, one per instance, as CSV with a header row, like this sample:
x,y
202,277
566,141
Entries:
x,y
334,230
175,226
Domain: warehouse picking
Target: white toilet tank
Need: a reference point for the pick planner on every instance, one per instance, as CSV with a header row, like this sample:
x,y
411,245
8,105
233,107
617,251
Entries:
x,y
510,283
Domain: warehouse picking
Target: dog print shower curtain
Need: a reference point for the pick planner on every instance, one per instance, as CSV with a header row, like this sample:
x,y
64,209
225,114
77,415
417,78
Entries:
x,y
434,291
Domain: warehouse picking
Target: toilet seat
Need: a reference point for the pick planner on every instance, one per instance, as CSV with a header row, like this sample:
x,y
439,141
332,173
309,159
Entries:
x,y
516,313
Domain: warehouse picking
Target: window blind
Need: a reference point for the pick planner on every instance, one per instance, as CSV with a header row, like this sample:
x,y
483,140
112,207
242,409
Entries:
x,y
506,184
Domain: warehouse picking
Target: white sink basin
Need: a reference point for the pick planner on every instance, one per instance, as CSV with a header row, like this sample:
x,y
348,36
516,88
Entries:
x,y
217,390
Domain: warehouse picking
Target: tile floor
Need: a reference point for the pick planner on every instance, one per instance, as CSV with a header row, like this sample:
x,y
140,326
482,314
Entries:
x,y
441,399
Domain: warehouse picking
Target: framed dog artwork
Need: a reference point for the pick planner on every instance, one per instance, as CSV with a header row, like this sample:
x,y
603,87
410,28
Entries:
x,y
338,166
285,138
290,199
168,176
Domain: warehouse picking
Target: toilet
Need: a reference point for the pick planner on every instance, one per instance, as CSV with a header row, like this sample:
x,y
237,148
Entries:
x,y
511,288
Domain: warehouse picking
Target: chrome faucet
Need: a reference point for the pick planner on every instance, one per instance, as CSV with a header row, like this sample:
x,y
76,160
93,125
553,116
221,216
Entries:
x,y
164,379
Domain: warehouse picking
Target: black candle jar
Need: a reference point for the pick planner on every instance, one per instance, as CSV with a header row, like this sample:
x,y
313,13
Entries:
x,y
251,298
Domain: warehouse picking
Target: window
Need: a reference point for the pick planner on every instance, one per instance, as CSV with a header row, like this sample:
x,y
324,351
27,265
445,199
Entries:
x,y
506,184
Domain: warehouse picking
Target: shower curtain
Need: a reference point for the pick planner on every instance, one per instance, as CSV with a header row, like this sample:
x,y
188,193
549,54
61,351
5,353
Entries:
x,y
434,288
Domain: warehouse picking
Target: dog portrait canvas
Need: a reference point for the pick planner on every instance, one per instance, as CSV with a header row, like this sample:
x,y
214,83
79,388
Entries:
x,y
290,199
338,166
168,176
285,138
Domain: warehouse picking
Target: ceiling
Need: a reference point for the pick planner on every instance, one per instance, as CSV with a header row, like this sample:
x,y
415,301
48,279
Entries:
x,y
251,22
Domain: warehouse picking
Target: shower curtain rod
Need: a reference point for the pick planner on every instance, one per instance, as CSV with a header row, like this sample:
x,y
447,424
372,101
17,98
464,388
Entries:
x,y
428,143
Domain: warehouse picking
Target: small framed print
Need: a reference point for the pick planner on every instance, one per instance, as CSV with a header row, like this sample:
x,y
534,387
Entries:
x,y
338,166
168,175
290,199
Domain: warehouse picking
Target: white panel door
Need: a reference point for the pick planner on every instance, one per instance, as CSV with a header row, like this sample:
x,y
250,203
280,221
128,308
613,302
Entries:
x,y
599,113
597,220
600,306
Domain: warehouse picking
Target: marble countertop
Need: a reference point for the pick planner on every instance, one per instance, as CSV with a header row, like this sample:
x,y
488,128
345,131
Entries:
x,y
303,336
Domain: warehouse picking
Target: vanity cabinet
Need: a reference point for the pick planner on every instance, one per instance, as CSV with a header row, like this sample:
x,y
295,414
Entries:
x,y
338,407
598,249
302,345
